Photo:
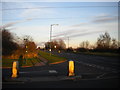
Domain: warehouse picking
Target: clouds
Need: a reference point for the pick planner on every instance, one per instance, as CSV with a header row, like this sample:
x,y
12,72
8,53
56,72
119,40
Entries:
x,y
99,19
13,23
98,24
35,11
23,10
77,33
104,19
81,24
86,33
69,32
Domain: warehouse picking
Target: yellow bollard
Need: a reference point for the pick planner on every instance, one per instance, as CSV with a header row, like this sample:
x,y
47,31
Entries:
x,y
14,69
71,68
59,51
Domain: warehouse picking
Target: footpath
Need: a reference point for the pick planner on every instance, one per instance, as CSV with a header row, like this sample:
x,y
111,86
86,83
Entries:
x,y
43,61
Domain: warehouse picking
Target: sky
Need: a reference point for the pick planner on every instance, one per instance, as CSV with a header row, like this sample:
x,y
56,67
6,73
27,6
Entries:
x,y
80,21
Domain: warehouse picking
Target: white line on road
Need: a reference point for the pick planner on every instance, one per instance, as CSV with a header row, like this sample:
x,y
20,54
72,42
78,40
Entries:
x,y
49,71
97,66
53,71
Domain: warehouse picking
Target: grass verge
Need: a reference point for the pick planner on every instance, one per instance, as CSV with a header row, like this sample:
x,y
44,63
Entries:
x,y
33,61
52,58
26,62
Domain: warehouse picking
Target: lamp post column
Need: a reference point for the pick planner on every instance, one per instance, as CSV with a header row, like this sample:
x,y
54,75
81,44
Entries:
x,y
50,38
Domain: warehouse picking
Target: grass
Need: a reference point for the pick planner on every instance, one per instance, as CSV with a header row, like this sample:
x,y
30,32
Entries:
x,y
33,61
52,58
30,62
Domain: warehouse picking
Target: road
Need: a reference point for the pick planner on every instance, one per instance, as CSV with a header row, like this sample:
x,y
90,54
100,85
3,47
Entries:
x,y
93,71
109,64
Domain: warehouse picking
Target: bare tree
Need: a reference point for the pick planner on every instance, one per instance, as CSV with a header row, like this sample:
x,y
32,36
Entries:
x,y
114,44
56,44
29,44
104,41
84,44
61,44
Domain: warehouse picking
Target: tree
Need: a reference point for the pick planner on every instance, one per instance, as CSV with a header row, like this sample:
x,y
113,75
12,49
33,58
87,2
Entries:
x,y
84,44
114,44
29,44
69,49
61,44
104,41
8,44
56,44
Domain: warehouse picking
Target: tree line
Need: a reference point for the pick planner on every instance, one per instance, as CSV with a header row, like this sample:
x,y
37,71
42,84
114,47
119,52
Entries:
x,y
13,47
105,43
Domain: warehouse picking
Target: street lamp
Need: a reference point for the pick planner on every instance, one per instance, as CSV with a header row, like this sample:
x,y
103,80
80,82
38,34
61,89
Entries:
x,y
54,46
26,40
51,35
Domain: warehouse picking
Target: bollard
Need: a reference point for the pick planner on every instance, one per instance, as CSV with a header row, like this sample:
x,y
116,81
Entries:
x,y
59,51
71,68
15,69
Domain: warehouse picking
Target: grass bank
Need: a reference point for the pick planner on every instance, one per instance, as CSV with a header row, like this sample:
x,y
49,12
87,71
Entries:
x,y
52,58
26,62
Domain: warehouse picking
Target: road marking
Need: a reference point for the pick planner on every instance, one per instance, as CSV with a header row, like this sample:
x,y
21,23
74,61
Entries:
x,y
32,71
97,66
113,77
49,71
101,75
53,71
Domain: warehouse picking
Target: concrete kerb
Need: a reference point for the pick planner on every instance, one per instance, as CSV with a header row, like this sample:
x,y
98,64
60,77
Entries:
x,y
16,80
58,62
35,65
40,79
48,79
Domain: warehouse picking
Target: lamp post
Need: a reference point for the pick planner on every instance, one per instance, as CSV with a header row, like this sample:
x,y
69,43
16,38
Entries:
x,y
26,49
51,36
68,42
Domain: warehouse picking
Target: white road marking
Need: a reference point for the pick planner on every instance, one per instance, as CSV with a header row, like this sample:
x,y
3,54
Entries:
x,y
53,71
49,71
97,66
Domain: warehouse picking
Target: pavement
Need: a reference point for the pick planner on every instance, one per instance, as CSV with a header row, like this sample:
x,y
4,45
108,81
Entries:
x,y
62,82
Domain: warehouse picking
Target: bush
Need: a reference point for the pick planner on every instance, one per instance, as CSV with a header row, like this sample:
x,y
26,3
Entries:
x,y
82,50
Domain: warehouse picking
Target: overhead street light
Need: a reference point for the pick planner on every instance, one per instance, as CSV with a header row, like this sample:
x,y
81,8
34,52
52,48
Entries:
x,y
51,36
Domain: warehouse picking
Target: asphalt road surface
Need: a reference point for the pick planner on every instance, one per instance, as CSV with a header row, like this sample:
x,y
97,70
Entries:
x,y
109,64
90,72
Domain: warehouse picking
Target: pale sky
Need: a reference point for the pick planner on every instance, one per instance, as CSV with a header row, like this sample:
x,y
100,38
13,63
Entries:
x,y
80,21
